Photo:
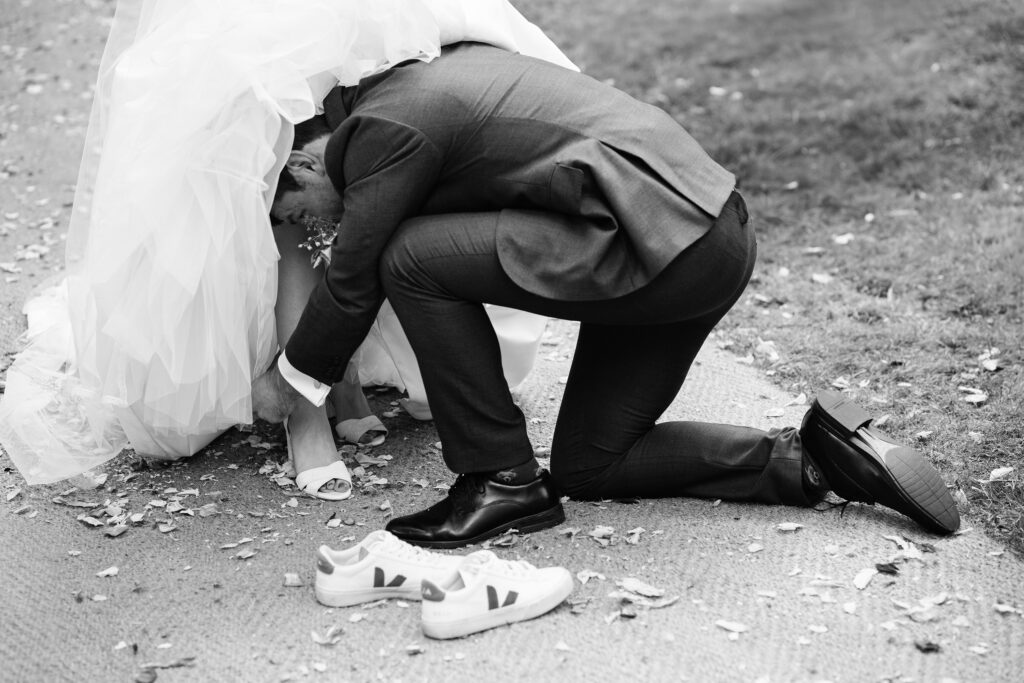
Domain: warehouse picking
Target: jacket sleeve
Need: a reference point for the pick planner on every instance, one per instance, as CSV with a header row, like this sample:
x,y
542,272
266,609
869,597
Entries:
x,y
385,171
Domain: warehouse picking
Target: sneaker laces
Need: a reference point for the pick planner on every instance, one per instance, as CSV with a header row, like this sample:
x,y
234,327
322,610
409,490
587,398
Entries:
x,y
515,568
508,568
416,554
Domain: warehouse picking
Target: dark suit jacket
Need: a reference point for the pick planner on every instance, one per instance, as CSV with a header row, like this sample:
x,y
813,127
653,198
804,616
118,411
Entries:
x,y
481,129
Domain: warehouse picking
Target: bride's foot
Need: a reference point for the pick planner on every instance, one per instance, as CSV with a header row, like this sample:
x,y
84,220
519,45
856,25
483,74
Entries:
x,y
356,422
319,471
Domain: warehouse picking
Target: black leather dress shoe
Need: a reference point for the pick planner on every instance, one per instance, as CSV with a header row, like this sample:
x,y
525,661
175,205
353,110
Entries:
x,y
861,463
477,508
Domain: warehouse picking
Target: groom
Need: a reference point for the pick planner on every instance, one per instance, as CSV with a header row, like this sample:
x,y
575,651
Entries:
x,y
488,177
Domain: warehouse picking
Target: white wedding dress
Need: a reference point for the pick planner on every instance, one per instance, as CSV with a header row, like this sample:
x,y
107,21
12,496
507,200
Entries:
x,y
166,314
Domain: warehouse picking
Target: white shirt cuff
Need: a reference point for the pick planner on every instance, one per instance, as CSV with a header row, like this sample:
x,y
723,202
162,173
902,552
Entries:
x,y
313,390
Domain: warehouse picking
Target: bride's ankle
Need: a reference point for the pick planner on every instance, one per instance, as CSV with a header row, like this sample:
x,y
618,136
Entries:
x,y
310,441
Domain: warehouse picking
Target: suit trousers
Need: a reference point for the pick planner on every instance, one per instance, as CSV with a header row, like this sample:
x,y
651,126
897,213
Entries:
x,y
632,355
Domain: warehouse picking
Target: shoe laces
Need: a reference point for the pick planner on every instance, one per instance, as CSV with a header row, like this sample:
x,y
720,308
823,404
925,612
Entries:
x,y
407,551
509,568
462,491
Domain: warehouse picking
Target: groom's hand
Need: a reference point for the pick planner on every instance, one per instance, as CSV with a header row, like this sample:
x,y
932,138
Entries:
x,y
273,398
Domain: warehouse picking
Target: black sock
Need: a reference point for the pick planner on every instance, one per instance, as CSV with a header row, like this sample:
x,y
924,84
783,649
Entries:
x,y
814,483
520,474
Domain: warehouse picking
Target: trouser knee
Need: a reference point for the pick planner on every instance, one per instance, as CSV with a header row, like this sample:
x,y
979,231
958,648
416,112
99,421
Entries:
x,y
397,261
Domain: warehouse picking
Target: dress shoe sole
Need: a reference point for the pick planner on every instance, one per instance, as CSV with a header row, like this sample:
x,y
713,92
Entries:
x,y
553,516
916,488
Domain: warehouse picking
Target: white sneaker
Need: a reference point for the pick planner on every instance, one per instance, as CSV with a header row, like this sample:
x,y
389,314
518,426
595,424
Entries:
x,y
486,591
380,566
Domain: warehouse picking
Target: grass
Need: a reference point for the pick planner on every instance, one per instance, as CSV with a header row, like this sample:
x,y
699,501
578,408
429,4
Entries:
x,y
897,125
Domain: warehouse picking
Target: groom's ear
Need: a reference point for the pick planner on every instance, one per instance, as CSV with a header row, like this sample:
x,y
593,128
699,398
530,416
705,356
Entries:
x,y
301,163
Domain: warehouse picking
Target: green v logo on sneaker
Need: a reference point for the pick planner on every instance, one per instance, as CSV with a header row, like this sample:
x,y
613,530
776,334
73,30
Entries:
x,y
378,579
492,598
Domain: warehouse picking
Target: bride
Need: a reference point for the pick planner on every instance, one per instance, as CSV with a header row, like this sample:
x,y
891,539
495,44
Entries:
x,y
167,310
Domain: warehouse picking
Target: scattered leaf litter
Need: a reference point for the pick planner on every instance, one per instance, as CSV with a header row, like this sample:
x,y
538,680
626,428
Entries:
x,y
732,626
863,577
330,638
586,575
639,587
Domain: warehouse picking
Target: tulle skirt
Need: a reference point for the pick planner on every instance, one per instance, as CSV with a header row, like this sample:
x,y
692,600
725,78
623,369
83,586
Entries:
x,y
166,314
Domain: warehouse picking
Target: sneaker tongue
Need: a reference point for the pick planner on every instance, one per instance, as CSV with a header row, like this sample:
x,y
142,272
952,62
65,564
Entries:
x,y
474,561
376,537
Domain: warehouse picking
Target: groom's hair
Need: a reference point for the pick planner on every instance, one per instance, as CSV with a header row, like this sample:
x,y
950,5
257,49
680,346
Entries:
x,y
305,133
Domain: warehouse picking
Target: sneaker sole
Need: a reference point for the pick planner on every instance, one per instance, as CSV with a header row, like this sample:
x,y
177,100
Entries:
x,y
348,598
444,630
541,520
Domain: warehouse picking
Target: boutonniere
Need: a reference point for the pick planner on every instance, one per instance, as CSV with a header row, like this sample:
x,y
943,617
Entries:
x,y
319,237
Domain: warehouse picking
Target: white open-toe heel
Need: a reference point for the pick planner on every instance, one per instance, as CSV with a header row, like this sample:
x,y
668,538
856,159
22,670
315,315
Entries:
x,y
310,481
358,429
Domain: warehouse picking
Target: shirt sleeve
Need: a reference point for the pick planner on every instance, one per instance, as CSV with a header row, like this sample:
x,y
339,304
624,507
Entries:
x,y
311,389
385,171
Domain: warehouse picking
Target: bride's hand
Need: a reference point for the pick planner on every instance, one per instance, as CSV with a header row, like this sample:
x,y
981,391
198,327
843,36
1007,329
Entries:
x,y
273,398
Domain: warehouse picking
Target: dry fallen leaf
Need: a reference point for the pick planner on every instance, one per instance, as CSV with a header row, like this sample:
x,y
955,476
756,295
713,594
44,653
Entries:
x,y
504,541
731,626
1000,473
602,534
1003,608
208,510
991,364
639,587
864,577
367,460
586,575
330,638
977,397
